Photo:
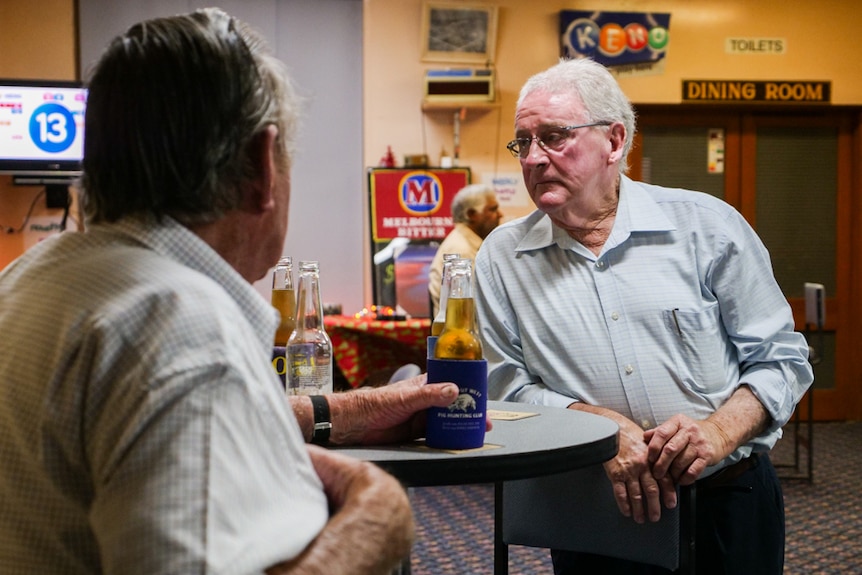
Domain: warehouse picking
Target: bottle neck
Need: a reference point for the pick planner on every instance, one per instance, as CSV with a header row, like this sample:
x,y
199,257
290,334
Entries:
x,y
284,281
460,314
309,311
441,306
450,261
282,275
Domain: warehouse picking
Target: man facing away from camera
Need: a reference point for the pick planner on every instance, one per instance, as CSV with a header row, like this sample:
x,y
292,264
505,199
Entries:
x,y
142,427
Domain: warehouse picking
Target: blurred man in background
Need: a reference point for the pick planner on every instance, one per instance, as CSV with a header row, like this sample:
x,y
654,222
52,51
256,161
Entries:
x,y
475,212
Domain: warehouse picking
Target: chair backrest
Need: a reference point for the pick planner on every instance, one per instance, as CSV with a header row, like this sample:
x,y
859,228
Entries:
x,y
576,511
406,371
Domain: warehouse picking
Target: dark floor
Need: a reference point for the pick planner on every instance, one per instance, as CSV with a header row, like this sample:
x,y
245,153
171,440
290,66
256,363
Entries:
x,y
455,531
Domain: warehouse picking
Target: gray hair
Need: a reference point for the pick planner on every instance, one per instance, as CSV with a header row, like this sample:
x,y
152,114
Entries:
x,y
173,106
467,198
597,89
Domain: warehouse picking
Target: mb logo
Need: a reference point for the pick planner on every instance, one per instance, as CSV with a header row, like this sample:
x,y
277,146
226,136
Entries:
x,y
420,193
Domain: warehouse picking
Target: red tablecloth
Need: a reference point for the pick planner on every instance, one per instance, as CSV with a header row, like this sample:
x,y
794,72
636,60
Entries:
x,y
365,347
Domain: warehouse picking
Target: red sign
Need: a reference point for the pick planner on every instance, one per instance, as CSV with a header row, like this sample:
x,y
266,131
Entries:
x,y
413,203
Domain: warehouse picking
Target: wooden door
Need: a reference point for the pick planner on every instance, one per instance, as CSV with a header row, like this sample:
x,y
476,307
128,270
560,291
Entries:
x,y
791,176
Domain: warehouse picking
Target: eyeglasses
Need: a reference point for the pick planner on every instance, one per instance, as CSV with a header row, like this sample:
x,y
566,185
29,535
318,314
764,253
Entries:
x,y
551,140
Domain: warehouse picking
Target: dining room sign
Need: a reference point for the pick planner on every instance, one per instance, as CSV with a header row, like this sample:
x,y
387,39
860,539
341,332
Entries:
x,y
761,91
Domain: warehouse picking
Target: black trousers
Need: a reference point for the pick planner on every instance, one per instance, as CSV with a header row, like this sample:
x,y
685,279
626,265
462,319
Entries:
x,y
740,529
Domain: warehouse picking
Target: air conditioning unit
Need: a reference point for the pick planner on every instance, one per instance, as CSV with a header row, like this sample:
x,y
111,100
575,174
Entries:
x,y
459,85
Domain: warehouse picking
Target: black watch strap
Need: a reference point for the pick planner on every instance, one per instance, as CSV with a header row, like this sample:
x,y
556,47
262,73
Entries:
x,y
322,423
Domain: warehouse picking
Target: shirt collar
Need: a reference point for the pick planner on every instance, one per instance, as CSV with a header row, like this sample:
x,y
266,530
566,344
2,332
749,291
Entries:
x,y
469,235
176,242
637,212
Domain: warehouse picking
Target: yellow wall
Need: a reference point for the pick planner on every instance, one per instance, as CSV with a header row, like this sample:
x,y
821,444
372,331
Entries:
x,y
37,40
816,35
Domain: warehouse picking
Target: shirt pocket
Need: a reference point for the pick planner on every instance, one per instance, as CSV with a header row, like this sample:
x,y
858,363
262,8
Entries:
x,y
698,348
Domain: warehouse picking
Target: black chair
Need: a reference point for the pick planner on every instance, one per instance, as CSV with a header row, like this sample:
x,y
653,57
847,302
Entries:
x,y
559,512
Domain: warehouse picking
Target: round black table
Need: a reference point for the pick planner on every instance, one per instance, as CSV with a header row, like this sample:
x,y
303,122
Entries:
x,y
548,440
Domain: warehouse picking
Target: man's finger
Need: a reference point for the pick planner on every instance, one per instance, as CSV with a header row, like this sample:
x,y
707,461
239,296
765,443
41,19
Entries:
x,y
636,500
621,495
650,489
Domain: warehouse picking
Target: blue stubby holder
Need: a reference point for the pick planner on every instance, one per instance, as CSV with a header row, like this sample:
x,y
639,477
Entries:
x,y
432,343
461,425
431,340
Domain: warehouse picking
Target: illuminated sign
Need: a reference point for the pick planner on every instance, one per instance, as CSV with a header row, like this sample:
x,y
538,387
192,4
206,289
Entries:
x,y
420,193
767,91
413,203
616,39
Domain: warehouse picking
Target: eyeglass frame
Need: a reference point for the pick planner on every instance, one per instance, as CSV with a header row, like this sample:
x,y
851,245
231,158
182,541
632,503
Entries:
x,y
517,154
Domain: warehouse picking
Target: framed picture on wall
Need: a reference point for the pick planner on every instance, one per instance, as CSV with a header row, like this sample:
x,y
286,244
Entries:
x,y
462,32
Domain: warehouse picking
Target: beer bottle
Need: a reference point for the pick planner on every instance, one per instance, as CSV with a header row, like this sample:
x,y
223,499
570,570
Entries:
x,y
459,338
440,318
284,299
309,349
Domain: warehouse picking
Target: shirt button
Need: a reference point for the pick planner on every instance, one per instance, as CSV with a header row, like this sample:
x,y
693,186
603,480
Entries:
x,y
615,316
645,424
629,369
600,264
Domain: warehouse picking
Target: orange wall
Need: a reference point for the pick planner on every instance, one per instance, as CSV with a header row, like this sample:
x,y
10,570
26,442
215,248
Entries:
x,y
37,40
816,35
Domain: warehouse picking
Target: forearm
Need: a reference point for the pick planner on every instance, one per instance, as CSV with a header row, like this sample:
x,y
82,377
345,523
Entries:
x,y
373,416
740,419
344,408
301,406
684,448
352,543
627,426
369,534
349,412
632,447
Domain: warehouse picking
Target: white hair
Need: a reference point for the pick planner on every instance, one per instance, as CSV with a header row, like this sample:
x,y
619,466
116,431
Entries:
x,y
598,90
467,198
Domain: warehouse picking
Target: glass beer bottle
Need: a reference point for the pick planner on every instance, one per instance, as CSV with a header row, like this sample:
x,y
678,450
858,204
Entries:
x,y
459,338
309,349
440,318
284,299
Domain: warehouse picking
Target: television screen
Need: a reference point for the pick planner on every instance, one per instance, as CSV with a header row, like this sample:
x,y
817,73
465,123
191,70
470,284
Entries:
x,y
41,127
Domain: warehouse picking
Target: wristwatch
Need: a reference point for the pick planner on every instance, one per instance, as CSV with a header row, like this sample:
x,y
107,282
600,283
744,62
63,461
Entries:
x,y
322,423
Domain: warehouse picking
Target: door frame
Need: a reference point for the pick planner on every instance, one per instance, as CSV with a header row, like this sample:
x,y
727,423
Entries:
x,y
844,309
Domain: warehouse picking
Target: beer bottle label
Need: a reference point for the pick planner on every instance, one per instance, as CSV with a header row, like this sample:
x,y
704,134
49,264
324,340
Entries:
x,y
309,369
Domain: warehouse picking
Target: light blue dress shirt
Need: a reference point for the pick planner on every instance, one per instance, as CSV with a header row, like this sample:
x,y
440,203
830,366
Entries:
x,y
678,310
